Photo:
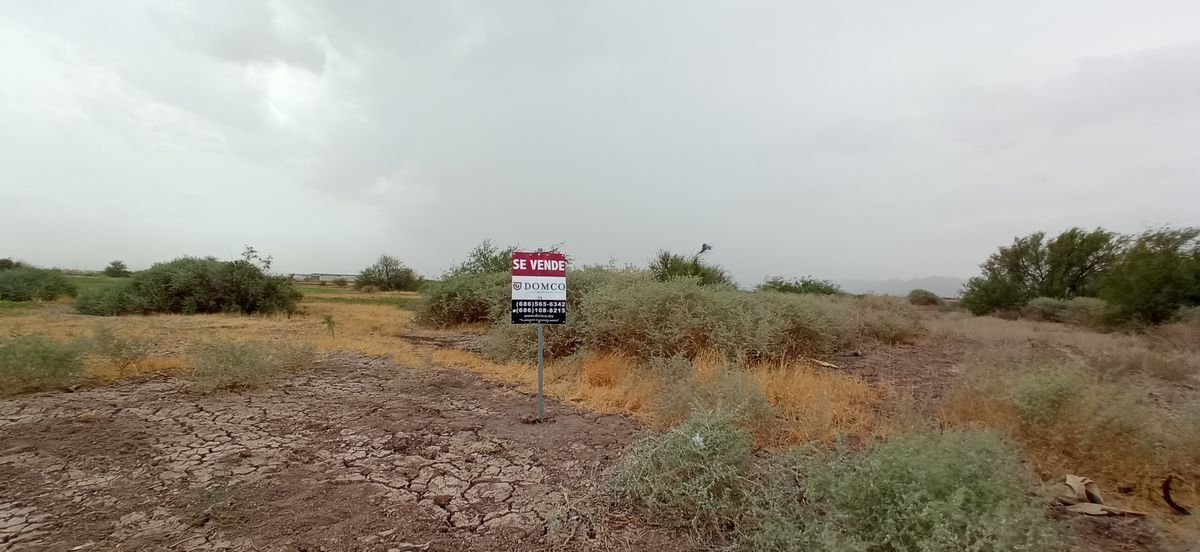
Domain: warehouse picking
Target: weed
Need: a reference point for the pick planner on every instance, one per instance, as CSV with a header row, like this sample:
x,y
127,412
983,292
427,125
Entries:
x,y
34,363
238,365
327,321
123,353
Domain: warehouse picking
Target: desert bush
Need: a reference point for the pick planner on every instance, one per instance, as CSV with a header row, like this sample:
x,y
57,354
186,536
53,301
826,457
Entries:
x,y
192,285
121,352
806,284
1164,364
950,491
466,299
924,297
34,363
1158,274
340,282
1088,312
388,274
1045,309
725,388
884,319
28,283
668,266
117,269
245,364
693,475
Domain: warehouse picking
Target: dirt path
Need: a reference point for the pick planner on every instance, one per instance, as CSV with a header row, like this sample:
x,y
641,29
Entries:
x,y
357,454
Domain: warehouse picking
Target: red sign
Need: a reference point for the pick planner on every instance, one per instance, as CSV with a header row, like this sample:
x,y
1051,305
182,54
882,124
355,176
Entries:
x,y
539,287
529,263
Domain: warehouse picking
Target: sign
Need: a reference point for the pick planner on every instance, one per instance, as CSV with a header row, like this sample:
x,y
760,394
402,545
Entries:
x,y
539,284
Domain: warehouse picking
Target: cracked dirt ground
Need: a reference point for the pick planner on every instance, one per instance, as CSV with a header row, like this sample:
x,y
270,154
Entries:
x,y
355,454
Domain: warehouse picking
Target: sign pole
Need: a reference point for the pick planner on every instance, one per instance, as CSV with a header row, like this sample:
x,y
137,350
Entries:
x,y
541,363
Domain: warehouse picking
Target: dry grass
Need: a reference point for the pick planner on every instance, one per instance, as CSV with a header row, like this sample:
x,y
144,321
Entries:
x,y
818,404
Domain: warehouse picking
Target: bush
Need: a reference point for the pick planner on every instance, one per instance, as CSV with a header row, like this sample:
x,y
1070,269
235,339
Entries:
x,y
117,269
9,264
388,274
466,299
28,283
729,389
806,284
1045,309
121,352
951,491
341,282
885,319
924,298
669,266
195,286
34,363
241,365
985,295
1158,274
1087,312
691,476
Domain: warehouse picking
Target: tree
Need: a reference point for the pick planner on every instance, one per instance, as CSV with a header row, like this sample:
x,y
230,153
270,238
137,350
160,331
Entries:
x,y
388,274
485,258
1157,274
1068,265
9,264
117,269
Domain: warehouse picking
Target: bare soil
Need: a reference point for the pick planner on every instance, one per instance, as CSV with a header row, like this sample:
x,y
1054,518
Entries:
x,y
355,454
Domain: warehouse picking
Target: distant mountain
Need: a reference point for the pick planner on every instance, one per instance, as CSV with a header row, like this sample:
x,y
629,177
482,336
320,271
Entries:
x,y
945,286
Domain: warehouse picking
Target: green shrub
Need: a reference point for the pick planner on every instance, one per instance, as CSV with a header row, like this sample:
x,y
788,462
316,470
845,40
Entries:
x,y
985,295
1045,309
1158,274
34,363
466,299
388,274
9,264
924,297
195,286
669,266
693,475
28,283
934,492
248,364
806,284
885,319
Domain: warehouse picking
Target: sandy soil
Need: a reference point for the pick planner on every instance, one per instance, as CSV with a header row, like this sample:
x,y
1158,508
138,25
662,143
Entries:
x,y
356,454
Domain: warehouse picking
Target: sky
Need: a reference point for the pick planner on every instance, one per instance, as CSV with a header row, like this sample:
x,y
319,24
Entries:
x,y
845,139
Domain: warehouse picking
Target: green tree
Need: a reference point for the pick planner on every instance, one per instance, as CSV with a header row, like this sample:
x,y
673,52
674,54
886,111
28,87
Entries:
x,y
8,264
1157,274
485,258
388,274
117,269
1068,265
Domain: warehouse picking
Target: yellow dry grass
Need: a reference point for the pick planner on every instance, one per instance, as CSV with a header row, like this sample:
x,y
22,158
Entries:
x,y
819,404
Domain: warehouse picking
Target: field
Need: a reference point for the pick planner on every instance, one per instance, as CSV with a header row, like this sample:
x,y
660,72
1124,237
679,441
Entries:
x,y
389,436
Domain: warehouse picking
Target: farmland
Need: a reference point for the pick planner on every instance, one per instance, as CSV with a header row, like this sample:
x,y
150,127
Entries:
x,y
416,438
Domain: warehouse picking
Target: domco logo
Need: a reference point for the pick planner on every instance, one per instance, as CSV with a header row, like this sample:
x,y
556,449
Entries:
x,y
540,286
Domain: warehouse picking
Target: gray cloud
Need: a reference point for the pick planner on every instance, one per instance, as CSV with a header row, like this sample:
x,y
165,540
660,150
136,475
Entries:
x,y
850,140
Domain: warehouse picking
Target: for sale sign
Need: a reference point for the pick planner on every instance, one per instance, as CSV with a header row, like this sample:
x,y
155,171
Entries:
x,y
539,284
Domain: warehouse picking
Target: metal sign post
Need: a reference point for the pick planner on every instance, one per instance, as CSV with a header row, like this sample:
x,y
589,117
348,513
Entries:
x,y
541,363
539,296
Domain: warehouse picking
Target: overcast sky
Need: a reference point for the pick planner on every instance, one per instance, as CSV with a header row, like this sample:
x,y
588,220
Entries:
x,y
838,139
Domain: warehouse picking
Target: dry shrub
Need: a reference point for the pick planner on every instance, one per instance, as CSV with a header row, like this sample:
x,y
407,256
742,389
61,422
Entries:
x,y
1087,312
885,319
709,385
1044,309
245,364
1168,365
1070,419
121,352
816,404
34,363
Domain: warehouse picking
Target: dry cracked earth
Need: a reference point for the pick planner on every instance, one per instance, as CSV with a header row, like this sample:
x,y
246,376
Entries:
x,y
355,454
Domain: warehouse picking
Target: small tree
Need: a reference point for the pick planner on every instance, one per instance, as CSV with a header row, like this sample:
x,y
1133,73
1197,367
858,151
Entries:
x,y
117,269
1158,273
485,258
924,297
388,274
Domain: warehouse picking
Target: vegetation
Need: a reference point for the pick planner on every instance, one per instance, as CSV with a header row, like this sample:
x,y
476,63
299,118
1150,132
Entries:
x,y
1045,309
242,365
34,363
1145,279
485,258
192,285
122,352
117,269
8,264
924,297
806,284
466,299
24,283
388,274
669,266
949,491
341,282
